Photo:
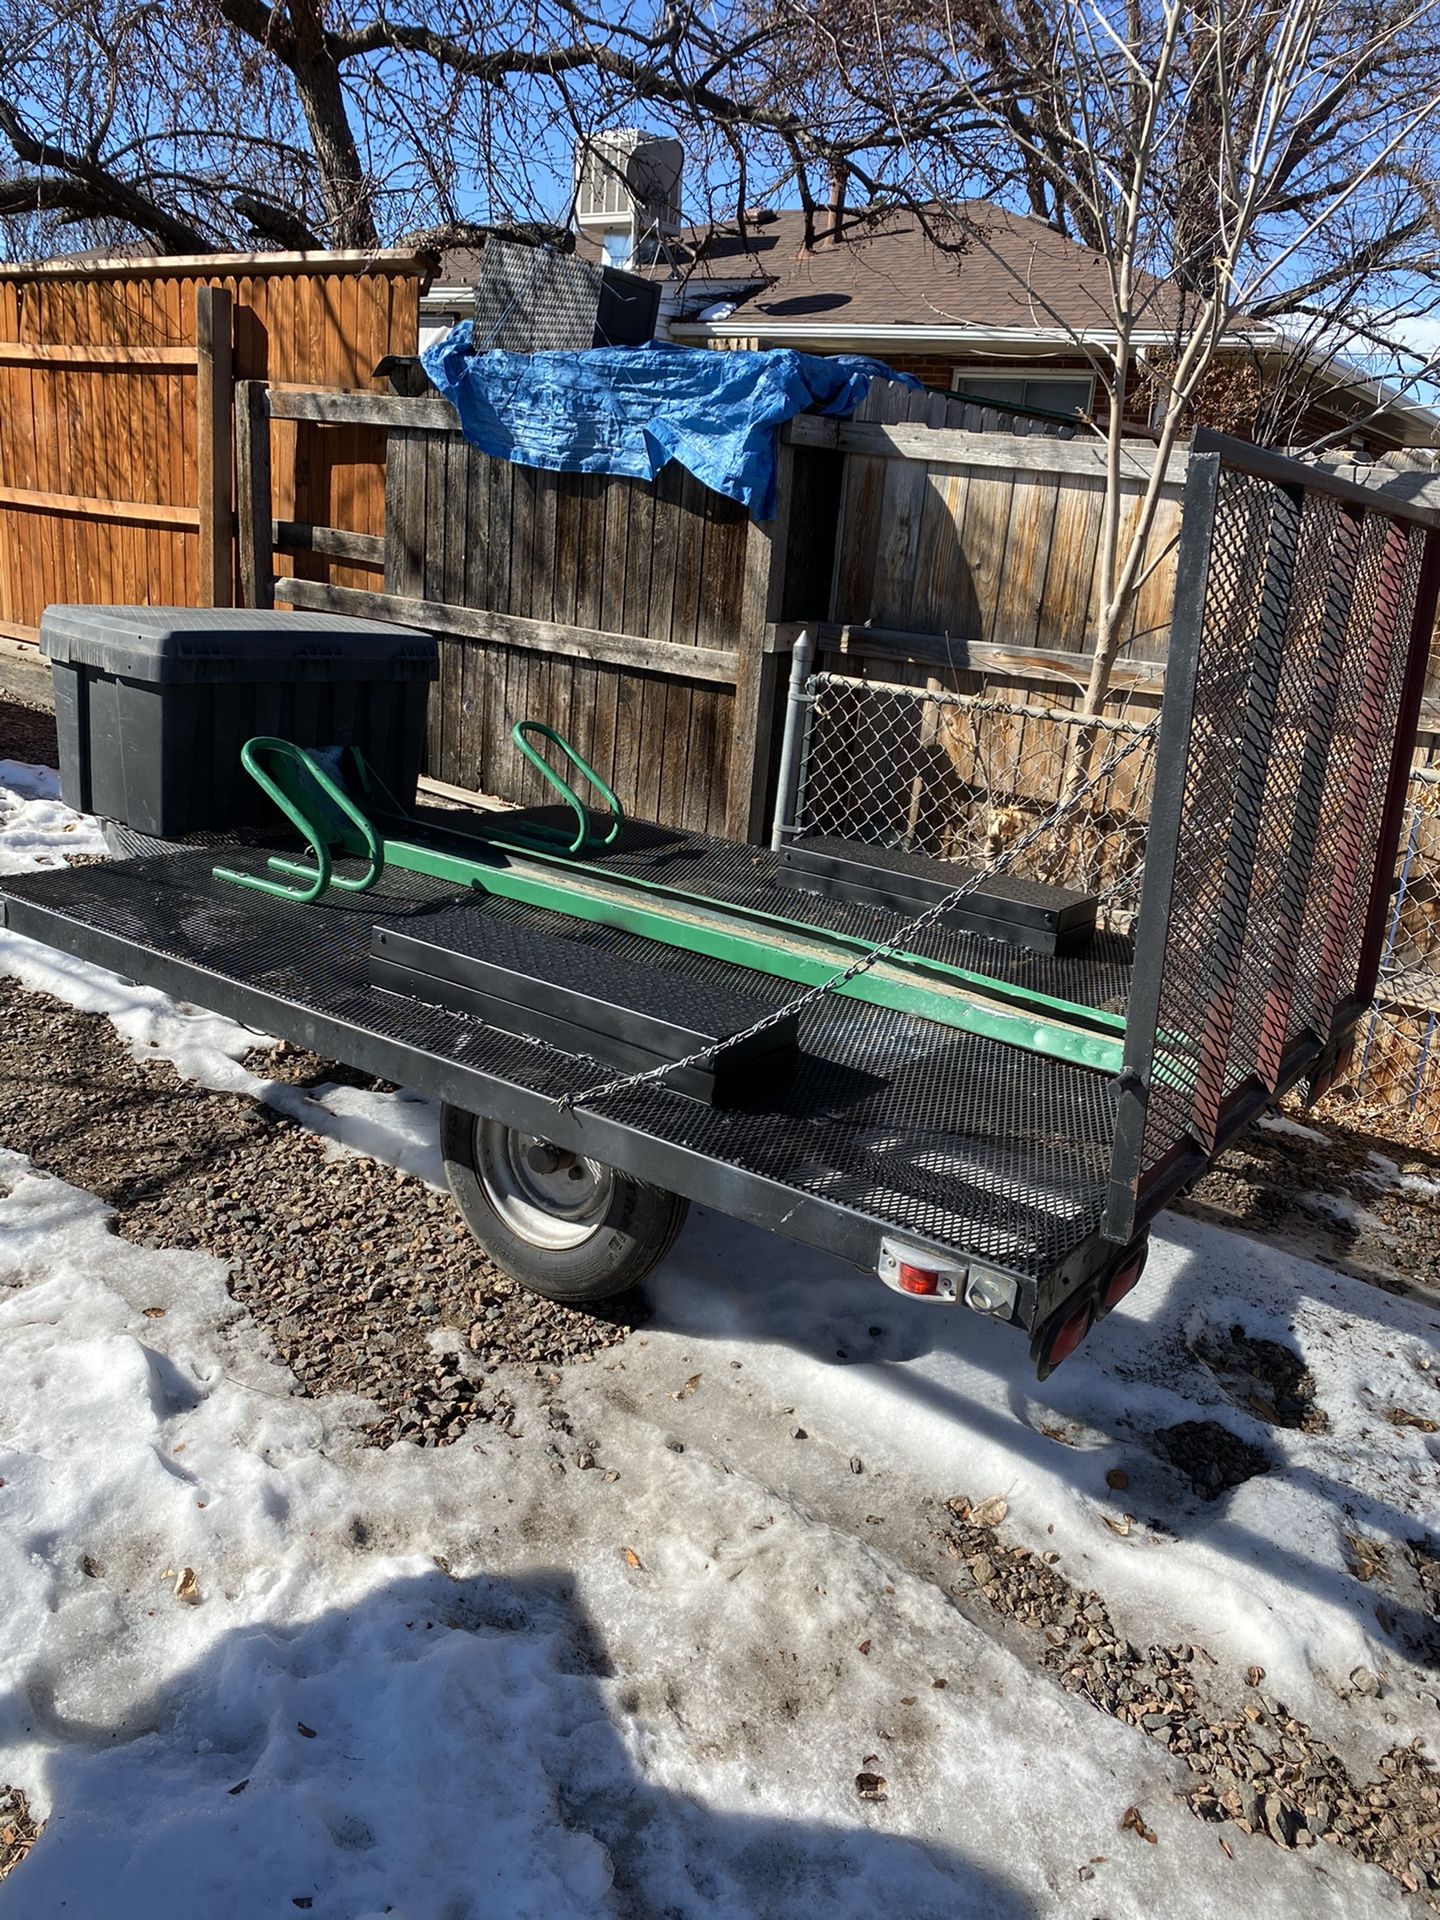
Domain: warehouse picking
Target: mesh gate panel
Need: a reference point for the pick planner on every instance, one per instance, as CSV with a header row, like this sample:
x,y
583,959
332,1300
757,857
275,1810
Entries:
x,y
1290,702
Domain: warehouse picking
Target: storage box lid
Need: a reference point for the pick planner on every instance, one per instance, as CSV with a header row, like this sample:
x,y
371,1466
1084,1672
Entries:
x,y
171,644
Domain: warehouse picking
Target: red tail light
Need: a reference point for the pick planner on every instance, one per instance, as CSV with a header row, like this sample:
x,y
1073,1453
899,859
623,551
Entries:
x,y
1064,1340
916,1279
1122,1280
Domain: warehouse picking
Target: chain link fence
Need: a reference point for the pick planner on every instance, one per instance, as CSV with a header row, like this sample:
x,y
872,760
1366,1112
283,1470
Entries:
x,y
1397,1061
968,777
964,777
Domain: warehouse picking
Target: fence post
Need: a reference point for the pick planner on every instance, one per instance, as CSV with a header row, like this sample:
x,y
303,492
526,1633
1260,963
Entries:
x,y
214,451
797,706
766,547
255,529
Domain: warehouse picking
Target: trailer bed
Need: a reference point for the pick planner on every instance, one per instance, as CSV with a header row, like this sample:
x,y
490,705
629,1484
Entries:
x,y
890,1123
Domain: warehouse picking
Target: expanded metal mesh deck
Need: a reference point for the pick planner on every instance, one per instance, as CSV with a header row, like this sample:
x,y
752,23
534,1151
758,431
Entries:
x,y
948,1137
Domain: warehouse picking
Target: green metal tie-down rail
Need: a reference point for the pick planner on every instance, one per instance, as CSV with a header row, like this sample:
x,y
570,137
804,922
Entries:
x,y
534,864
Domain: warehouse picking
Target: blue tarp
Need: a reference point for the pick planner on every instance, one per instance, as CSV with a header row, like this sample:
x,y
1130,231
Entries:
x,y
633,409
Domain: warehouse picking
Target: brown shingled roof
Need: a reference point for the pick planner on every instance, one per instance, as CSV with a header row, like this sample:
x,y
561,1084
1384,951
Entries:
x,y
1012,272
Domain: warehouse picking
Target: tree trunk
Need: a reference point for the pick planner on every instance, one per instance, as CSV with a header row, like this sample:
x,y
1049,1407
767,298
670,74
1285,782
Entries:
x,y
344,186
1107,647
1083,744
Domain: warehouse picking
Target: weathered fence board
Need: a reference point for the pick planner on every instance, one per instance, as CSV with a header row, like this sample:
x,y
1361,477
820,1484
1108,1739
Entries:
x,y
989,540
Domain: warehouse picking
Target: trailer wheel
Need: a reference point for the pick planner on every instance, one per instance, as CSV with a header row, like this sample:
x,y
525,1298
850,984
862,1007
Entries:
x,y
564,1226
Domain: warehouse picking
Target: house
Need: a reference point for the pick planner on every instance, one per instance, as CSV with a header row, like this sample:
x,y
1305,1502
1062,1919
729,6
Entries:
x,y
1004,318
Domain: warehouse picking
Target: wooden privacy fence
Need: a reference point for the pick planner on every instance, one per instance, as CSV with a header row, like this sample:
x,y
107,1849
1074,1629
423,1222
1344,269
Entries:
x,y
115,414
976,553
964,563
638,618
651,622
114,467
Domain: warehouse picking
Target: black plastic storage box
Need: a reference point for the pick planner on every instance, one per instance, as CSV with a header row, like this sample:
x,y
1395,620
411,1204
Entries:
x,y
153,704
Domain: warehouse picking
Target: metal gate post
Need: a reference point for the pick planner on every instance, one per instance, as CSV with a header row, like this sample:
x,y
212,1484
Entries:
x,y
1172,755
798,707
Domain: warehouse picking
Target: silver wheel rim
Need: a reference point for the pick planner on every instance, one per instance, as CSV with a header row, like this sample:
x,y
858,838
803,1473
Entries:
x,y
552,1198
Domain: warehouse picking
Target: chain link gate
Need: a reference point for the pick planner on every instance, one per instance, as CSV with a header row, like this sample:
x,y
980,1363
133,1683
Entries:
x,y
967,778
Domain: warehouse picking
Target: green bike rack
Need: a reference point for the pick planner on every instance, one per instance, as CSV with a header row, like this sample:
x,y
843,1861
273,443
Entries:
x,y
339,821
551,838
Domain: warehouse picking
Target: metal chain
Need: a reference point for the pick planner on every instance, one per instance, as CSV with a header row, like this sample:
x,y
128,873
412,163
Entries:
x,y
887,950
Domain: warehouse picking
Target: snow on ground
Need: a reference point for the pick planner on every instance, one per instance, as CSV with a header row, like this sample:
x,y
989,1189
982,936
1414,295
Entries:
x,y
1342,1211
446,1684
1385,1173
1261,1575
1282,1123
644,1697
36,828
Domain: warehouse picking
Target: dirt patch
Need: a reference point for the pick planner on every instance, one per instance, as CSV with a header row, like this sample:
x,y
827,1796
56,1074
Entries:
x,y
1366,1558
1402,1417
1253,1763
1266,1379
1424,1558
366,1279
27,734
1362,1197
18,1829
1345,1112
1211,1457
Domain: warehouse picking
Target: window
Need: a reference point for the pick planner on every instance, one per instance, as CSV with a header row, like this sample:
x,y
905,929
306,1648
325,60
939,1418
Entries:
x,y
1067,393
615,247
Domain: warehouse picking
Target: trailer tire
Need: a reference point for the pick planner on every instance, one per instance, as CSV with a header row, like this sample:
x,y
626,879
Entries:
x,y
568,1228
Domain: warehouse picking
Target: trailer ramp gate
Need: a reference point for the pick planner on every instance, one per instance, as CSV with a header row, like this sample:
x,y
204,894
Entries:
x,y
1301,635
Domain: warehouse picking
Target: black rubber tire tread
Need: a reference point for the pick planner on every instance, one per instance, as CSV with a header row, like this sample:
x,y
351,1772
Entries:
x,y
640,1228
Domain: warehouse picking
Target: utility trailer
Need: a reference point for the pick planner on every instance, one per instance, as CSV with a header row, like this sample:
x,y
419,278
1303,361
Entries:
x,y
970,1093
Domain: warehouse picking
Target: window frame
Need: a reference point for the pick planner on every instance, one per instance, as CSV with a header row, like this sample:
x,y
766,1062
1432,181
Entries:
x,y
961,378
